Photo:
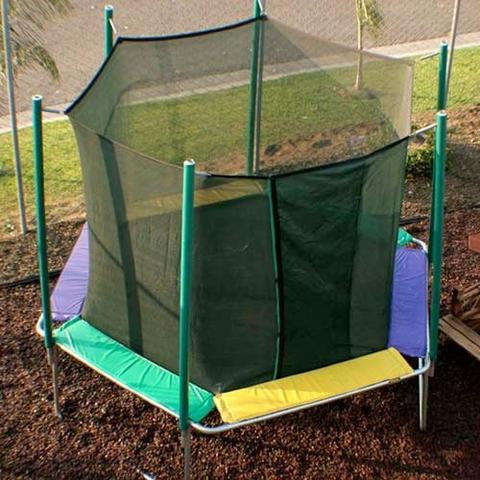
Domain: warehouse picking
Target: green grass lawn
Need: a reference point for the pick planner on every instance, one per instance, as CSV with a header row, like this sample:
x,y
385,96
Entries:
x,y
213,126
464,88
291,106
63,182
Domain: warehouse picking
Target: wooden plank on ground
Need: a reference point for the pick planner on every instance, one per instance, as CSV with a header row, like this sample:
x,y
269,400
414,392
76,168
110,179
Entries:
x,y
461,334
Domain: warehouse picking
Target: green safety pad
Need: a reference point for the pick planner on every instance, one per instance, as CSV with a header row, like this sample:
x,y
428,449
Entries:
x,y
153,383
403,238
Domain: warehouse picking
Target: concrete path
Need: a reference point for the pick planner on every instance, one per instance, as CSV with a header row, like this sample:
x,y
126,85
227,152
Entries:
x,y
403,50
423,47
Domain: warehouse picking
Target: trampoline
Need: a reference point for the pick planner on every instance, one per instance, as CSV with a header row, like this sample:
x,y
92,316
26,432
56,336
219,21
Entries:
x,y
408,311
269,274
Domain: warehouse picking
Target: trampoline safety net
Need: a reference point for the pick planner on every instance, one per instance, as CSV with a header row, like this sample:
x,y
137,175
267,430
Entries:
x,y
293,252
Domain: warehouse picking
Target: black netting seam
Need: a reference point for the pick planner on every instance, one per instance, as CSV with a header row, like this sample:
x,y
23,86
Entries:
x,y
324,166
275,221
348,161
196,33
93,80
157,38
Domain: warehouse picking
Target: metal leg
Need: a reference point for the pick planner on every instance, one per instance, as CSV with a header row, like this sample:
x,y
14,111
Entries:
x,y
186,446
52,361
422,397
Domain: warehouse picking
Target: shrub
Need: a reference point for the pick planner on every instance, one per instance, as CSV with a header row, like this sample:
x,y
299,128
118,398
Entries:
x,y
420,155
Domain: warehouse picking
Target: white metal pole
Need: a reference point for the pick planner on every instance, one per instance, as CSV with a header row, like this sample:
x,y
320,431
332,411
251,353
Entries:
x,y
13,115
453,37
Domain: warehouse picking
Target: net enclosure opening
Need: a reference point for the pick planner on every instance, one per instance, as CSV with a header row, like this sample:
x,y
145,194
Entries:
x,y
297,198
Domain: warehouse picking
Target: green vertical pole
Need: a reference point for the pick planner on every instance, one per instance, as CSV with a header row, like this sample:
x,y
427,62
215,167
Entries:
x,y
441,105
258,106
42,241
185,287
40,211
253,91
437,228
442,76
108,30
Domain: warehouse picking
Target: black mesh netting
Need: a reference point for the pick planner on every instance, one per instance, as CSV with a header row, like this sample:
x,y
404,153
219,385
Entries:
x,y
188,97
292,265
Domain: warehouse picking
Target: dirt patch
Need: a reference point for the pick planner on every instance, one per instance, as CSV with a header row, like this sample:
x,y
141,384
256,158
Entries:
x,y
462,179
107,433
319,148
324,147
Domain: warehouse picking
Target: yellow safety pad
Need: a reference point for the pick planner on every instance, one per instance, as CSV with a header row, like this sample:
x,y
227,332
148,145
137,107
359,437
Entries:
x,y
320,384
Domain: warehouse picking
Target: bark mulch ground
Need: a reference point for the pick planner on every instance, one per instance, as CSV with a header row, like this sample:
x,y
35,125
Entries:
x,y
108,433
18,255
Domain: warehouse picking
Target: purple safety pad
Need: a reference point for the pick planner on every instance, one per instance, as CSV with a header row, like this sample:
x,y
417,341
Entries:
x,y
71,289
409,310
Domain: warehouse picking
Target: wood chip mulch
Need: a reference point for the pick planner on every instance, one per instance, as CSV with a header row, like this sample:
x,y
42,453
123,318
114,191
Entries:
x,y
108,433
18,255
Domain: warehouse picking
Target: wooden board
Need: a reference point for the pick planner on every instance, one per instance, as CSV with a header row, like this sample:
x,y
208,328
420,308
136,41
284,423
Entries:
x,y
461,334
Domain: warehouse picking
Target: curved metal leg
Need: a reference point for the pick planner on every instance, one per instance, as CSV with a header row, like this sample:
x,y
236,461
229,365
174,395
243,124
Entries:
x,y
52,360
186,446
422,397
